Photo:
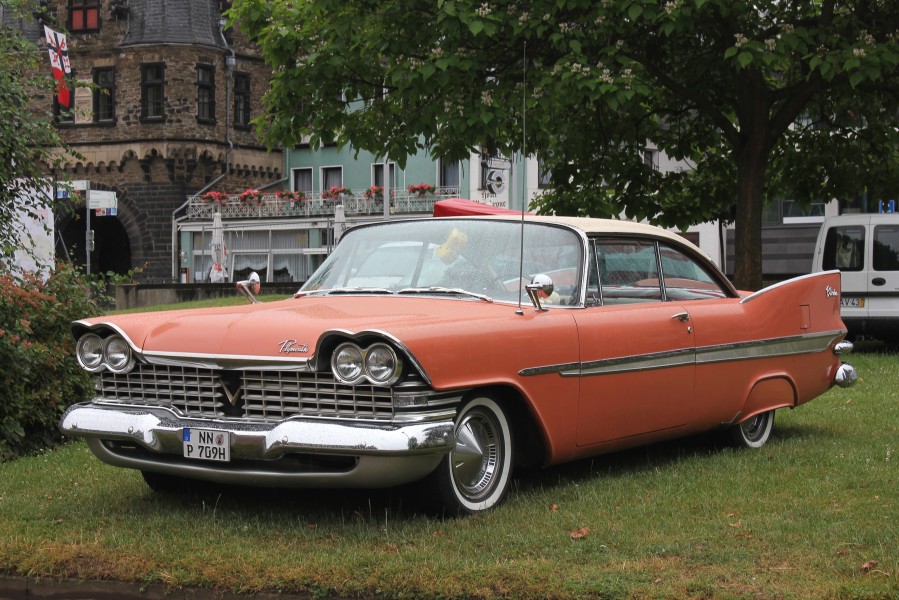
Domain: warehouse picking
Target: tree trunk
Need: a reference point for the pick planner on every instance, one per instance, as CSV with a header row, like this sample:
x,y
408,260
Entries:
x,y
748,227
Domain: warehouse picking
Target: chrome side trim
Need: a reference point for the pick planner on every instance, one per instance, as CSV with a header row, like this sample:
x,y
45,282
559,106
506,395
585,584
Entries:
x,y
569,369
656,360
767,348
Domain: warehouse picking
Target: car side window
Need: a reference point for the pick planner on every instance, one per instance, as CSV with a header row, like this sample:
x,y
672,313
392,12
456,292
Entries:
x,y
628,271
886,248
844,248
686,279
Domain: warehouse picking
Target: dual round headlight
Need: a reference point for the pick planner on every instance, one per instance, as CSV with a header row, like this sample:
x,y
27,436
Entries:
x,y
378,363
94,353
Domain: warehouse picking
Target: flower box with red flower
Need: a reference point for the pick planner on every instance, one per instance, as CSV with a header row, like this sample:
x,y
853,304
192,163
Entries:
x,y
336,193
375,192
291,196
422,189
251,197
214,197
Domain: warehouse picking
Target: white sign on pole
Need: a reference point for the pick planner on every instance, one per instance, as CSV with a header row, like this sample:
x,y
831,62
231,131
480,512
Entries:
x,y
80,185
35,231
101,199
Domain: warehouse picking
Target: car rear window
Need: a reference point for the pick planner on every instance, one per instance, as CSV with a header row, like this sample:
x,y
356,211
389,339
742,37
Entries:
x,y
844,248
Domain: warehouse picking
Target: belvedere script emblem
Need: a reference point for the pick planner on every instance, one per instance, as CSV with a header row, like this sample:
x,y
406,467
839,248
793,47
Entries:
x,y
830,292
290,346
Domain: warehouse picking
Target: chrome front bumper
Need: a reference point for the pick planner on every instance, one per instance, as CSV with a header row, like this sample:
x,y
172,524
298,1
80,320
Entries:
x,y
385,455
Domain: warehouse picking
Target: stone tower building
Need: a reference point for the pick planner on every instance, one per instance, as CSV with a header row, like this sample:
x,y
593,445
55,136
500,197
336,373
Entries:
x,y
167,114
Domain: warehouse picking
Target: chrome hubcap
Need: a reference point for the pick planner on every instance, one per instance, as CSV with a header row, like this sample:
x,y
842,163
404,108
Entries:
x,y
477,454
754,427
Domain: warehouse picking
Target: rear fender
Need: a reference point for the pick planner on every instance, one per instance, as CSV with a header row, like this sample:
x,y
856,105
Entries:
x,y
767,394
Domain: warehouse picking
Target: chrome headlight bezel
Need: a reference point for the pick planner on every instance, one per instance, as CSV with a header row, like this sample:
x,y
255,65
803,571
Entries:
x,y
90,360
378,364
382,359
348,355
117,354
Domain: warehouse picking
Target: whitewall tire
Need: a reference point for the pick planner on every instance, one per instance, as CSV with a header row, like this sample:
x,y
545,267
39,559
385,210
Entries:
x,y
754,432
475,475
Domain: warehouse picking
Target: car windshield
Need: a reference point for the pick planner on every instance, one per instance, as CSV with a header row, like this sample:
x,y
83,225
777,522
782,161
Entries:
x,y
453,256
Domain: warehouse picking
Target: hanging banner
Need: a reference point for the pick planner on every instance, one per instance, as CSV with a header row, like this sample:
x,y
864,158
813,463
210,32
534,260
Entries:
x,y
59,61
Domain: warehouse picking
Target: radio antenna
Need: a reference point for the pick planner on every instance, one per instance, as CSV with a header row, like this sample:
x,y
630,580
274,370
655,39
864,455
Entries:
x,y
524,154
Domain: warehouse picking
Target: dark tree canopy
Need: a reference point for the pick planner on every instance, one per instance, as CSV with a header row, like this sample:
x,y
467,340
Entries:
x,y
759,99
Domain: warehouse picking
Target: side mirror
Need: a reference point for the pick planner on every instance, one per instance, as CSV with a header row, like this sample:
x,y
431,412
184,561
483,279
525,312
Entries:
x,y
541,283
250,287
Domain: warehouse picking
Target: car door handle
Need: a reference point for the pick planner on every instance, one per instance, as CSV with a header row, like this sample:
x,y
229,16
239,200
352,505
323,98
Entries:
x,y
878,281
683,317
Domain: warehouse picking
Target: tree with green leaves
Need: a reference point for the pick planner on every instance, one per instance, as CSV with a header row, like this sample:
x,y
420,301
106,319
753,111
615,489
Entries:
x,y
759,99
29,140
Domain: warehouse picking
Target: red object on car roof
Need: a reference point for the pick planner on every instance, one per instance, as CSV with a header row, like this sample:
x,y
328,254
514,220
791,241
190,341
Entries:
x,y
459,207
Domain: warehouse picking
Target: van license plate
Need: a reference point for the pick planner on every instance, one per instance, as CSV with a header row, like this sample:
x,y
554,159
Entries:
x,y
206,444
853,302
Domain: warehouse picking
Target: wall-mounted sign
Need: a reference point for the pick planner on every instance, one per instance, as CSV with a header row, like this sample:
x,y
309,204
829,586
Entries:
x,y
101,199
496,181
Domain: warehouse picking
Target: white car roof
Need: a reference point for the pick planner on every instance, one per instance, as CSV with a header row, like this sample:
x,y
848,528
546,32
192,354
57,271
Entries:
x,y
593,226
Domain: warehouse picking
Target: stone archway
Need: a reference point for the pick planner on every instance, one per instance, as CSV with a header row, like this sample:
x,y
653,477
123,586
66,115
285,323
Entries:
x,y
112,246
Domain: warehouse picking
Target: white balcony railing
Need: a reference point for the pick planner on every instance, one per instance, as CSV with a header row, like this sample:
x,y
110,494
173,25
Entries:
x,y
313,205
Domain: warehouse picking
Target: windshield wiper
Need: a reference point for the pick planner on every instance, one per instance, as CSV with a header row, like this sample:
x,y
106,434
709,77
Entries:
x,y
345,290
444,290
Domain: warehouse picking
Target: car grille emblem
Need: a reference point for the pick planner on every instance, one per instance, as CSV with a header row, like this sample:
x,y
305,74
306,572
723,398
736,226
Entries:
x,y
232,395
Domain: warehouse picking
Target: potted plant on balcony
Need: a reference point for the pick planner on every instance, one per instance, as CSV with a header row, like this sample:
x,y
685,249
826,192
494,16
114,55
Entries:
x,y
421,190
375,192
336,193
213,197
291,197
251,196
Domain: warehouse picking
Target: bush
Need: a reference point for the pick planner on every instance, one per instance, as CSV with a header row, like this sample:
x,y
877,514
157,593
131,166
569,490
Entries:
x,y
40,376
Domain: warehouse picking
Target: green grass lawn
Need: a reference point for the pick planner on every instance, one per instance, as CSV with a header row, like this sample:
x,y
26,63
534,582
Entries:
x,y
814,514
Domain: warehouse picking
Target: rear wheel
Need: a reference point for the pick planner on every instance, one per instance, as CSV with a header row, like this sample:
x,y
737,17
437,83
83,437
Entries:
x,y
475,475
754,432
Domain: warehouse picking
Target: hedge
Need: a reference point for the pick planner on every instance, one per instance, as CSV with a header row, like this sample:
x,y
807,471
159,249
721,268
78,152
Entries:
x,y
39,375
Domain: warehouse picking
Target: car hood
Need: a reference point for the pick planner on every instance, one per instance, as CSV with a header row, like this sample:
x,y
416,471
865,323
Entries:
x,y
291,329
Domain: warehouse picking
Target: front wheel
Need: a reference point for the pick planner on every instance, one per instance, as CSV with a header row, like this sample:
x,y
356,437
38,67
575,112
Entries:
x,y
475,475
754,432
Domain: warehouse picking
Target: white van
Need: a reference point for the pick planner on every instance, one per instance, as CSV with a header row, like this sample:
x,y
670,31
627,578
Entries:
x,y
865,248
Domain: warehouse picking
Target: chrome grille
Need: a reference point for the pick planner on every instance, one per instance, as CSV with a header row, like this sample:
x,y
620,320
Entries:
x,y
262,395
279,394
194,392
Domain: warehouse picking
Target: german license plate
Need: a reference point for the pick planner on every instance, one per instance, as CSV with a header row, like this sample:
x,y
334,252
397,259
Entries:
x,y
206,444
855,302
